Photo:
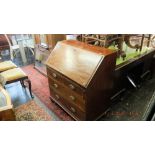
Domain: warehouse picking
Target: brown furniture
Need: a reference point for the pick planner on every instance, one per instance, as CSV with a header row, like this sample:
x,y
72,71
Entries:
x,y
6,107
133,72
81,78
3,42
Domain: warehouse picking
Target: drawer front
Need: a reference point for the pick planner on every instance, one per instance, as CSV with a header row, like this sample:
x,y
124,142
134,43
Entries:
x,y
69,96
68,83
74,110
66,91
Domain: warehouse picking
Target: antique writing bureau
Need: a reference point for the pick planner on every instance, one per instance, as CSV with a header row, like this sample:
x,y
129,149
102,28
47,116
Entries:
x,y
81,78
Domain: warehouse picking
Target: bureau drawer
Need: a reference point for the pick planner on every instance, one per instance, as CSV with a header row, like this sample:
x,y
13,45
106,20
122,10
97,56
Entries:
x,y
64,89
67,95
67,82
71,109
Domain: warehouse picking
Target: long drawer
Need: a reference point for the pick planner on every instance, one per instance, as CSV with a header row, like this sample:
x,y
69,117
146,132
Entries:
x,y
66,91
65,81
71,108
68,95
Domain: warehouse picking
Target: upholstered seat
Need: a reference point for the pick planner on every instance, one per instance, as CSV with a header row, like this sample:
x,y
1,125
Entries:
x,y
14,75
6,65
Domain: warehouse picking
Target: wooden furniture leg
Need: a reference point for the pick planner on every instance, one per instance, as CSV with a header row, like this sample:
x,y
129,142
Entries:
x,y
22,83
142,41
29,85
149,40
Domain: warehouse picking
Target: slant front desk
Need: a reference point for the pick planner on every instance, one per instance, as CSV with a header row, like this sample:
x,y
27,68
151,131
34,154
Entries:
x,y
81,78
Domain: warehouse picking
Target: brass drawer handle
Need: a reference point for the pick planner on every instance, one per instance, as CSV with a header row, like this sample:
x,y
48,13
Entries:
x,y
71,86
72,98
73,109
57,96
54,75
55,85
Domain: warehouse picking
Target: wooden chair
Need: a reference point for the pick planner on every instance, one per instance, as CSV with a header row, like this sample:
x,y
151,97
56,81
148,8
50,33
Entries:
x,y
6,107
15,75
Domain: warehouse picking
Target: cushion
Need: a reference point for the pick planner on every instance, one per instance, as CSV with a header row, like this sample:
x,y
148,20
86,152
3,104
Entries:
x,y
6,65
12,74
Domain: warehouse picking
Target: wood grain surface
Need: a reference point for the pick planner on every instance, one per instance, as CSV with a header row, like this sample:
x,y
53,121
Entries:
x,y
78,64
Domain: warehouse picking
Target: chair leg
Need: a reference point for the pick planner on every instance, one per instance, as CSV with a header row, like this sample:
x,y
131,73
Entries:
x,y
30,90
22,83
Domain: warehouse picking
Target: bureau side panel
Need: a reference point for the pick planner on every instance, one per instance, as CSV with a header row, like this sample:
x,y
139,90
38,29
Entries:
x,y
100,88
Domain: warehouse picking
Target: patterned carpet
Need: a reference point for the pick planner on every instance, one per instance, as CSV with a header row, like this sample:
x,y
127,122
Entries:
x,y
41,89
31,112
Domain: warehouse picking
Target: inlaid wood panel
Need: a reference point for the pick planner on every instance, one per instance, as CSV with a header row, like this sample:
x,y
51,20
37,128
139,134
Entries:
x,y
78,64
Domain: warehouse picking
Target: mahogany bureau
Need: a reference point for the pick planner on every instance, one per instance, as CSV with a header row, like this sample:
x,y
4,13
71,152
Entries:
x,y
81,78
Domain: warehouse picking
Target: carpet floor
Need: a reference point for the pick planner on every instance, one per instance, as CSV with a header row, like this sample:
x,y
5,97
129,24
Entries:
x,y
31,112
40,88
